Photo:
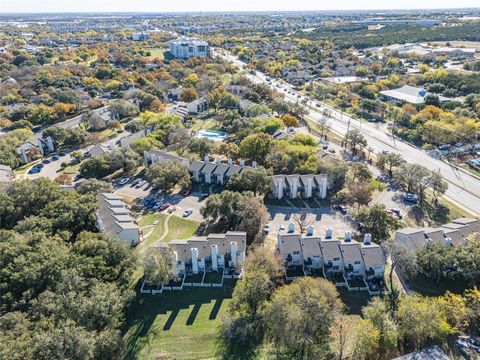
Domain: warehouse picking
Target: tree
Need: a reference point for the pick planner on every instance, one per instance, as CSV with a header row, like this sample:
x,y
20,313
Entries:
x,y
403,260
356,138
377,222
94,187
290,120
253,216
200,146
336,172
255,180
421,321
301,219
389,161
360,193
360,172
439,186
121,109
188,95
379,316
256,147
299,317
168,174
158,265
367,338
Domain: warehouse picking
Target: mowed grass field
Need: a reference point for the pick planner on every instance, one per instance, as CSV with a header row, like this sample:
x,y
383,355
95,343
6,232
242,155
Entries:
x,y
178,325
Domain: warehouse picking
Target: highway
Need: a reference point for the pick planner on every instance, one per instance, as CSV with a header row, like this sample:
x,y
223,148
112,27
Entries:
x,y
463,188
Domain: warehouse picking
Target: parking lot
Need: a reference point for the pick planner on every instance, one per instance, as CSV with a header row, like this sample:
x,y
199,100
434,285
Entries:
x,y
319,218
153,199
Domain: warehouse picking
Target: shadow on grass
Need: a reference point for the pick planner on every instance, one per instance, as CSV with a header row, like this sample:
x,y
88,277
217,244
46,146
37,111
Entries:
x,y
139,330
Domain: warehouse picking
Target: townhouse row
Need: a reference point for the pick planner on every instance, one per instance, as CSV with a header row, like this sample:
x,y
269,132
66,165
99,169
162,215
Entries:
x,y
455,233
205,171
299,186
313,253
114,219
217,172
214,252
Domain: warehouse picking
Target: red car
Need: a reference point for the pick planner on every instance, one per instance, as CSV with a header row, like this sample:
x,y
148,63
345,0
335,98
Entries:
x,y
187,192
164,206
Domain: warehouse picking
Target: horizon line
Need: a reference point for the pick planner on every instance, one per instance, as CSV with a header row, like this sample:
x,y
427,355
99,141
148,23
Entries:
x,y
229,11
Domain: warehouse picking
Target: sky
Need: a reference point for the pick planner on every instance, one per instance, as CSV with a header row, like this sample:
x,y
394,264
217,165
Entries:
x,y
221,5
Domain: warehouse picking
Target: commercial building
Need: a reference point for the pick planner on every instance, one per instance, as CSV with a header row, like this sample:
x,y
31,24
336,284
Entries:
x,y
184,48
114,219
409,94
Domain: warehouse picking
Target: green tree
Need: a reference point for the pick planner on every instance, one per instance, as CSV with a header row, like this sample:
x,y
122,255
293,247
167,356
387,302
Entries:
x,y
200,146
377,222
389,162
254,180
256,147
158,265
355,138
299,318
167,175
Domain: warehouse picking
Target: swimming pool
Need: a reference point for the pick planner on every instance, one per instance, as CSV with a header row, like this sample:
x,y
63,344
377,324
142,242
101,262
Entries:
x,y
212,135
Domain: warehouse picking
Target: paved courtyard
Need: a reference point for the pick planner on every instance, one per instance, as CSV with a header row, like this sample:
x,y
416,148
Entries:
x,y
320,218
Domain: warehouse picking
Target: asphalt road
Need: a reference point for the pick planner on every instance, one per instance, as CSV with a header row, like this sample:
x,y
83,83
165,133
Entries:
x,y
463,188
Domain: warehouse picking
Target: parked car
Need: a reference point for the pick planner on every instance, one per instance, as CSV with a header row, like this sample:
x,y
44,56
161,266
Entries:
x,y
123,181
396,212
342,209
46,161
87,154
140,184
187,192
55,157
282,227
164,206
62,153
204,196
411,198
34,170
266,229
187,212
172,209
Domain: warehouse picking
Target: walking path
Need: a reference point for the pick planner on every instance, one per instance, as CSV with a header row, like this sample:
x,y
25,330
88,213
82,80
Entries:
x,y
165,228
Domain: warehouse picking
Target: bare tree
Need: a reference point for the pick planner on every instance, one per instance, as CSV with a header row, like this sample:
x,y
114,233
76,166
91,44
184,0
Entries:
x,y
301,219
403,259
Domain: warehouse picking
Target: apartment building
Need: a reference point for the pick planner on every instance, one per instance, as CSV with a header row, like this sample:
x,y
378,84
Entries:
x,y
6,174
455,233
114,219
213,252
325,255
204,171
184,48
299,186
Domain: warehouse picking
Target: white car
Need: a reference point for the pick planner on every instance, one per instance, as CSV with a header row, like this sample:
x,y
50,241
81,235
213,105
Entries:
x,y
187,212
123,181
282,227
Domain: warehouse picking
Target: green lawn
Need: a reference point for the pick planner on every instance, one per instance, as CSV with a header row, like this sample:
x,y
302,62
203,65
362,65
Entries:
x,y
178,227
178,324
155,53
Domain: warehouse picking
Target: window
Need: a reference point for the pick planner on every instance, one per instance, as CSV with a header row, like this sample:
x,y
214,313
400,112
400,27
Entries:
x,y
357,262
336,259
335,268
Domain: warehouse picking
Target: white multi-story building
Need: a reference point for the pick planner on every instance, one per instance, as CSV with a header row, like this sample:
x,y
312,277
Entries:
x,y
313,252
184,48
114,219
